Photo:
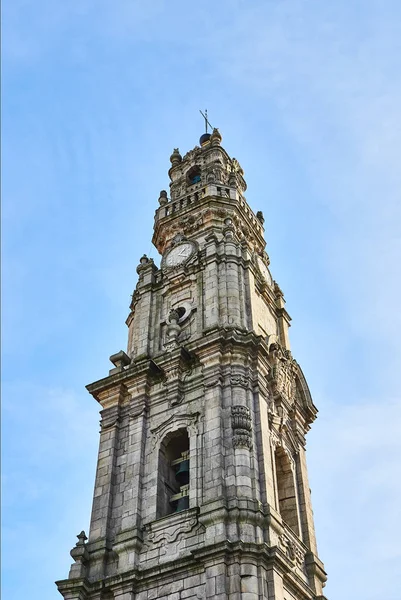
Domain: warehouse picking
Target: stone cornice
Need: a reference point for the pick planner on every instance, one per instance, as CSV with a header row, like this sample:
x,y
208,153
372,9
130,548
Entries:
x,y
142,367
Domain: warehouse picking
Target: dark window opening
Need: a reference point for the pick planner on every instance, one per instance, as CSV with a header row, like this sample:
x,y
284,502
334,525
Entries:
x,y
173,474
181,311
194,175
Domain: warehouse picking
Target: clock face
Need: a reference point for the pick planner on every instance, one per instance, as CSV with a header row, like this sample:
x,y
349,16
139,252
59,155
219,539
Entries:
x,y
265,271
179,254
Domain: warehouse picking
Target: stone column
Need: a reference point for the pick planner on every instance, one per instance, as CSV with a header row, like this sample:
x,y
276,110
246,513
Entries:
x,y
102,501
140,322
265,450
283,321
212,510
216,582
305,503
241,426
211,284
129,538
249,582
232,278
99,533
275,584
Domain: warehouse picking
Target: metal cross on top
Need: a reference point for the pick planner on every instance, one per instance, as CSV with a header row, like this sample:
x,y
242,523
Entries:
x,y
204,115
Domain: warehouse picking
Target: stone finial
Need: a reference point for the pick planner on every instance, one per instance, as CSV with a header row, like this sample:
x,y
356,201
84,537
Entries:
x,y
176,157
236,167
229,229
215,138
81,556
260,217
81,538
163,198
173,328
144,264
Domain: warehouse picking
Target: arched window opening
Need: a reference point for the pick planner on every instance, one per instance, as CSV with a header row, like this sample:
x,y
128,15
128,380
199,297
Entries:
x,y
173,474
286,490
194,175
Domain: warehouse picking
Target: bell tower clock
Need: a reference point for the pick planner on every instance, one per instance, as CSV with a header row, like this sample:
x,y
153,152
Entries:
x,y
201,487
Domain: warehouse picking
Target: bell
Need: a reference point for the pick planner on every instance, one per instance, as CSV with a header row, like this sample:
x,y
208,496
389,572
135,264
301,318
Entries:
x,y
182,504
182,473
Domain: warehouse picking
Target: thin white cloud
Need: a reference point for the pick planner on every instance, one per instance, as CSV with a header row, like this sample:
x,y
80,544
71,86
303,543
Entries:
x,y
355,454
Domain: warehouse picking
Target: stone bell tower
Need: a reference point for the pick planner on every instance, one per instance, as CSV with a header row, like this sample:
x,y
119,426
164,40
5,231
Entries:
x,y
201,486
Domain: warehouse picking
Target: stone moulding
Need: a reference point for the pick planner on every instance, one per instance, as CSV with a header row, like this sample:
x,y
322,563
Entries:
x,y
169,528
189,421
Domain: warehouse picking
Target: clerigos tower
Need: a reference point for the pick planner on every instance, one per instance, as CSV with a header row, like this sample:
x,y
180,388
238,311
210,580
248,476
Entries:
x,y
201,486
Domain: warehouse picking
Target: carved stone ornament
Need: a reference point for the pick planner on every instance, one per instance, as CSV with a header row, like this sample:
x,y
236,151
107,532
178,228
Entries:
x,y
191,223
170,535
240,380
243,233
282,375
176,370
242,426
192,154
294,551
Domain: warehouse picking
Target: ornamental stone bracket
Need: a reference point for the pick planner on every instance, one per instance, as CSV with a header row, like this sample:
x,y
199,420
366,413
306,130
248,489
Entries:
x,y
242,427
176,369
110,418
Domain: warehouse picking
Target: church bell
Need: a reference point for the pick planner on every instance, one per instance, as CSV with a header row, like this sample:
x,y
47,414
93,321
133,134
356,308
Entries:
x,y
182,473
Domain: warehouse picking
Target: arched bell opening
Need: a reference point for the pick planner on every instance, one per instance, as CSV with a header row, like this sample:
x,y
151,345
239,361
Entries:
x,y
173,474
286,493
194,175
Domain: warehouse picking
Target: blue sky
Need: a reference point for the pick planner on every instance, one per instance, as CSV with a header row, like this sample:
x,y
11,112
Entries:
x,y
96,94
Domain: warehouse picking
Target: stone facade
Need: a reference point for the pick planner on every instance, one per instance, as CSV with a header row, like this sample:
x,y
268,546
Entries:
x,y
201,487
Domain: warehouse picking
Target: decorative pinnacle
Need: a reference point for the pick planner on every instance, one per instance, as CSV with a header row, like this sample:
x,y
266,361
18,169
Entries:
x,y
176,157
81,538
